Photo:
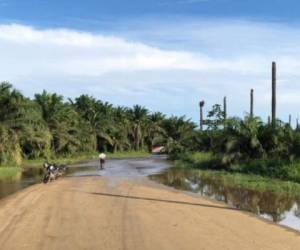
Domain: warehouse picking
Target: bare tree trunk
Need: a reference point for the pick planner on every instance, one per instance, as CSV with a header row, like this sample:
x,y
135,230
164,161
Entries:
x,y
274,94
251,102
201,104
269,120
201,118
297,123
225,108
290,120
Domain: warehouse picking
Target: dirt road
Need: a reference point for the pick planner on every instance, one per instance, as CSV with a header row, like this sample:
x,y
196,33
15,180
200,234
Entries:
x,y
95,212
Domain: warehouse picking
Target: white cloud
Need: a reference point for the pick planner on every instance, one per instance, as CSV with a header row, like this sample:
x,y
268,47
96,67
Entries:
x,y
231,58
78,53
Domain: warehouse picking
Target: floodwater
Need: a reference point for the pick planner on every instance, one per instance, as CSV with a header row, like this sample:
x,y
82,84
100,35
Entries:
x,y
113,168
282,209
22,180
279,208
128,168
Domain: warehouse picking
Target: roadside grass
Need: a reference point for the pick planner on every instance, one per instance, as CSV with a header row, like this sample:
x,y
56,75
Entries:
x,y
253,182
239,180
61,159
81,157
128,154
69,159
270,168
9,172
201,160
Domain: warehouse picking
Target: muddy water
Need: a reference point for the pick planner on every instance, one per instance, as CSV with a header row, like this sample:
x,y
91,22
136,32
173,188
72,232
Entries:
x,y
113,168
121,168
22,180
279,208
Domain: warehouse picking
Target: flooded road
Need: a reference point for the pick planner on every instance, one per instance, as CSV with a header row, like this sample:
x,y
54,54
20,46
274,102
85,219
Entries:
x,y
120,208
113,168
128,168
279,208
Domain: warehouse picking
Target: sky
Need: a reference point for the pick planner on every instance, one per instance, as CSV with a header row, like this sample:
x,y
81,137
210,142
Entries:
x,y
162,54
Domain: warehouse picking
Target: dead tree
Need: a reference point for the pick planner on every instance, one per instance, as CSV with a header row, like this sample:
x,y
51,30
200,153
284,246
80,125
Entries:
x,y
274,94
251,102
201,104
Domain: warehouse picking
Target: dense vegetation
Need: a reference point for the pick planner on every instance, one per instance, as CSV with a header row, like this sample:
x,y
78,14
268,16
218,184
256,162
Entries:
x,y
47,126
247,145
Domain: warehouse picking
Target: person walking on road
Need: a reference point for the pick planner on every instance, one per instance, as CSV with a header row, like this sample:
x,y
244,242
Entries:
x,y
102,158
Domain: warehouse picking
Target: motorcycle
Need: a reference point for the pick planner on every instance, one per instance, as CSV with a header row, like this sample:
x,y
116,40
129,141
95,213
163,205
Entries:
x,y
53,172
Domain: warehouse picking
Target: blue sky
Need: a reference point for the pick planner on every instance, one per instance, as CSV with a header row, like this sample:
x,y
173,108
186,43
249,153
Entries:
x,y
35,11
166,55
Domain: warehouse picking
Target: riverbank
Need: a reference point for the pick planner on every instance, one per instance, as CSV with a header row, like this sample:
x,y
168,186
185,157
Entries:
x,y
269,168
12,171
133,215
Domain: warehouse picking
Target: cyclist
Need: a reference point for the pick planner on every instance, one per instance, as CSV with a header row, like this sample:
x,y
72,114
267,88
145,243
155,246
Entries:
x,y
102,158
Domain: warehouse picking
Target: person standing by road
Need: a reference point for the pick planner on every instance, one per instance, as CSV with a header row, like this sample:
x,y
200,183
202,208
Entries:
x,y
102,158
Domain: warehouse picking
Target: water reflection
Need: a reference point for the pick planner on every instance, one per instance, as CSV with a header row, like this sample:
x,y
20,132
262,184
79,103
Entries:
x,y
21,180
283,209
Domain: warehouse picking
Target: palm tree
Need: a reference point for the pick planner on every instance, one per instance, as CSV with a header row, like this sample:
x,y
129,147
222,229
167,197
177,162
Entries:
x,y
181,134
156,134
21,119
138,117
62,121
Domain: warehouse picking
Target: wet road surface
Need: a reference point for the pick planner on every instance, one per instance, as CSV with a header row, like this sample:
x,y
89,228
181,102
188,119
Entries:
x,y
121,209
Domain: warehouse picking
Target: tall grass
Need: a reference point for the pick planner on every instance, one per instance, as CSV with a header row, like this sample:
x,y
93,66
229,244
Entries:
x,y
273,168
252,182
202,160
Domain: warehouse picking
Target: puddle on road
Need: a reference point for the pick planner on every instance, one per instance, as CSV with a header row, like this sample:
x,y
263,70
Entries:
x,y
279,208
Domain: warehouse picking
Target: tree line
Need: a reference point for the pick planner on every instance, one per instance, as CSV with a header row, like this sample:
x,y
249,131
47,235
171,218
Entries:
x,y
48,125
